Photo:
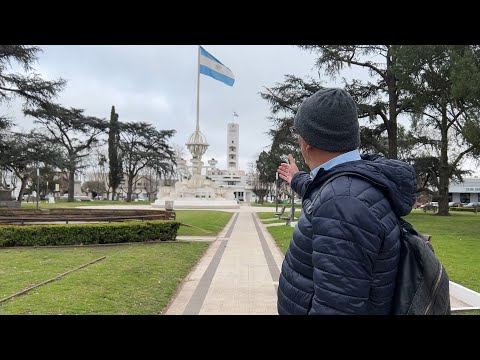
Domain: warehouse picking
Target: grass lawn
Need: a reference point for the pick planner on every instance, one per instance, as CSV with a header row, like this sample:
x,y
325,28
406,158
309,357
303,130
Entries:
x,y
212,222
64,204
282,236
133,279
472,312
266,205
456,240
268,215
287,203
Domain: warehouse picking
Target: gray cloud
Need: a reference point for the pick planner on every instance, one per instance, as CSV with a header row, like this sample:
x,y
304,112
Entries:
x,y
157,84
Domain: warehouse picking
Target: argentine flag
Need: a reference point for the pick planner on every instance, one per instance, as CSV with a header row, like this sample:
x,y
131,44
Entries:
x,y
210,66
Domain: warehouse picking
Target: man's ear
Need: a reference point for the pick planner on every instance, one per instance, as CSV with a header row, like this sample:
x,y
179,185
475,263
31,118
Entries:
x,y
309,147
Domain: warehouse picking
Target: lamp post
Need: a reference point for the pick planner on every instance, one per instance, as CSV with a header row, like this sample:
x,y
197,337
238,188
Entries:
x,y
292,212
276,192
38,184
121,188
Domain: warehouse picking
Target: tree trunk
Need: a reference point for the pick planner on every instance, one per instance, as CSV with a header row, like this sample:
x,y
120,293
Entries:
x,y
24,180
392,138
71,185
130,189
443,170
392,109
392,123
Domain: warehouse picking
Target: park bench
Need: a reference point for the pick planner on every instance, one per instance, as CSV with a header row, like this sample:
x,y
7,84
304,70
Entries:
x,y
22,216
280,213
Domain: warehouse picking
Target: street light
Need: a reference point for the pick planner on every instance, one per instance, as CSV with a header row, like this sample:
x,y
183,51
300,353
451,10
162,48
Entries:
x,y
292,212
38,184
121,188
276,192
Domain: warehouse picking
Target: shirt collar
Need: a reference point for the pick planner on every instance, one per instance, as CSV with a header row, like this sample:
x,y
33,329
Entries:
x,y
340,159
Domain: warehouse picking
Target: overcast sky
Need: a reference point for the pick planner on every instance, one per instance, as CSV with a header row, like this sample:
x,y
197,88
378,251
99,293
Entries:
x,y
157,84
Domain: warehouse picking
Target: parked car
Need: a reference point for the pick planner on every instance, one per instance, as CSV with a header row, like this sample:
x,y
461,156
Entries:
x,y
77,197
472,204
430,205
454,204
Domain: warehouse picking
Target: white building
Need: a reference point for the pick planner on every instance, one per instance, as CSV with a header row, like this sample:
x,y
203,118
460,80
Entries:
x,y
465,192
232,178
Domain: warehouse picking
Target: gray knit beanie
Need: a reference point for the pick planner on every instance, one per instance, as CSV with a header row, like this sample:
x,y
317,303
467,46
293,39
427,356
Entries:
x,y
328,121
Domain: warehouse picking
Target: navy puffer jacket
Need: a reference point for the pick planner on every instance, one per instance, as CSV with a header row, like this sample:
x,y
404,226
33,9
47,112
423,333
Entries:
x,y
344,252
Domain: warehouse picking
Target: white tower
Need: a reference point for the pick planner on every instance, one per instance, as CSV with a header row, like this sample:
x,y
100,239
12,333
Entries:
x,y
232,146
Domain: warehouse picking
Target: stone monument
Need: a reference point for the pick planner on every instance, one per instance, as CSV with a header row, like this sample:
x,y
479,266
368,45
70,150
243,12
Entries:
x,y
6,200
195,191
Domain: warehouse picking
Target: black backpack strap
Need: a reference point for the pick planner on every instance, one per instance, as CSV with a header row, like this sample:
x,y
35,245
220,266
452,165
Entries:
x,y
406,226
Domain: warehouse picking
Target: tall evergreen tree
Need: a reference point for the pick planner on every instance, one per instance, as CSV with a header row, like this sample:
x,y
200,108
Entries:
x,y
441,83
29,87
380,98
142,146
71,130
24,153
115,161
285,99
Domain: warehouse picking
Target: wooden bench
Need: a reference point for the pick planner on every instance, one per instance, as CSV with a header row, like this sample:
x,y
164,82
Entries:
x,y
280,213
22,216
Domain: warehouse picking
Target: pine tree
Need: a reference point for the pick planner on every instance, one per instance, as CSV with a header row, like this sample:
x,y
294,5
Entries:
x,y
115,162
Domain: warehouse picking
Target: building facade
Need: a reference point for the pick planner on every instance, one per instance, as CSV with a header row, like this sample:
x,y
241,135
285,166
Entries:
x,y
236,180
465,192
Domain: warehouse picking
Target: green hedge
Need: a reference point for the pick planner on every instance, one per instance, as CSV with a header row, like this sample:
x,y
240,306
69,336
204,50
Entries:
x,y
471,209
85,234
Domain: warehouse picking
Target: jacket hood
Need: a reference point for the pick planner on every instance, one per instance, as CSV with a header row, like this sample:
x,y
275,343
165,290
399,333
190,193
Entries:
x,y
397,178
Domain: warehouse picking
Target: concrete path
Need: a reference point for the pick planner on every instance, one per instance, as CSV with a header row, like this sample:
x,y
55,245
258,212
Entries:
x,y
238,274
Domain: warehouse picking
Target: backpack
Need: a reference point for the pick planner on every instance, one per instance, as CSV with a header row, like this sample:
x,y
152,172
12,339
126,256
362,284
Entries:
x,y
422,284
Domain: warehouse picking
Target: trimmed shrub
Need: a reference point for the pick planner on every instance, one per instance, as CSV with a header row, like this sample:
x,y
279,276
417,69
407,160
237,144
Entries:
x,y
86,234
469,209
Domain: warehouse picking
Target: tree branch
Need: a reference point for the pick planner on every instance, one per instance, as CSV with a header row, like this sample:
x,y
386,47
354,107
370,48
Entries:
x,y
431,192
460,156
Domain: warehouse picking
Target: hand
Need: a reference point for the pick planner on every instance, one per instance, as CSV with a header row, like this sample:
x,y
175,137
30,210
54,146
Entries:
x,y
286,171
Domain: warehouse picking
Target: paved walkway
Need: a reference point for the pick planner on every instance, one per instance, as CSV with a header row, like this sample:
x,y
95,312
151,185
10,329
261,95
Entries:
x,y
238,275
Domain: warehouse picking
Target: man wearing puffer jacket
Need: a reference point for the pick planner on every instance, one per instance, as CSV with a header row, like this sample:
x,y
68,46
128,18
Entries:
x,y
344,252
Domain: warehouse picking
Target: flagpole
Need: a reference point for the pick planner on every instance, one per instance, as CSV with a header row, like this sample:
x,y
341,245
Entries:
x,y
198,90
